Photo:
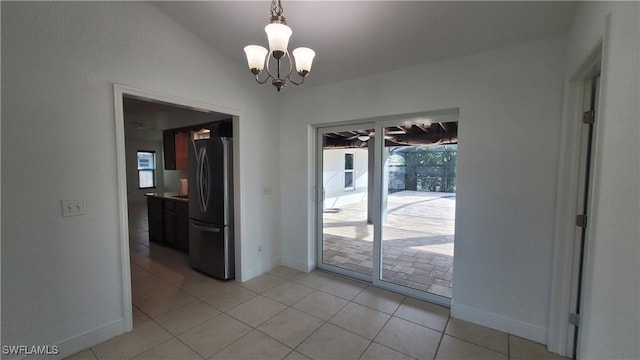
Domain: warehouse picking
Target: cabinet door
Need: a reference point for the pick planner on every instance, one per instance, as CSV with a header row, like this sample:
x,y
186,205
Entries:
x,y
226,129
181,150
182,226
169,145
169,227
156,226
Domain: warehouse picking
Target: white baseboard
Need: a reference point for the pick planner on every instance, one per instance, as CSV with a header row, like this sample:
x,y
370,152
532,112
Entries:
x,y
501,323
259,269
82,342
298,265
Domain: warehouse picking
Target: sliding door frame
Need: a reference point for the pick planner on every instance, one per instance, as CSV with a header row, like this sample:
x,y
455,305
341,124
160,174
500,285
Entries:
x,y
378,124
320,203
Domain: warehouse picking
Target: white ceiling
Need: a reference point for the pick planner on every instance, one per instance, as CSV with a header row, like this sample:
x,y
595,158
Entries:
x,y
358,38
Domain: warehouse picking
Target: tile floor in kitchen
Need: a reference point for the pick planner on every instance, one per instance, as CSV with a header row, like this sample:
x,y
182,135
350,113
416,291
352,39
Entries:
x,y
286,314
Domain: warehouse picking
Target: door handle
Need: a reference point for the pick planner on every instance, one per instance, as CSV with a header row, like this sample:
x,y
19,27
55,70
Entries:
x,y
205,228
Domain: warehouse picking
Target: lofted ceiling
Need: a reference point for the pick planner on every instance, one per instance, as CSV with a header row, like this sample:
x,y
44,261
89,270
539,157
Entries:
x,y
358,38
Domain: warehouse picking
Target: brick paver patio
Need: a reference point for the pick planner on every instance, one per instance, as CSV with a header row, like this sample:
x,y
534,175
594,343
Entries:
x,y
417,244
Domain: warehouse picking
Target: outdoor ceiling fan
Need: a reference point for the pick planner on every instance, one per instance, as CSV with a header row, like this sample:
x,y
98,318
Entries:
x,y
364,136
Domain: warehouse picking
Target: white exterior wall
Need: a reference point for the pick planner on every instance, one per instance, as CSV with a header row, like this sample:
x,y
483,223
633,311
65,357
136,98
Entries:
x,y
333,176
506,174
62,277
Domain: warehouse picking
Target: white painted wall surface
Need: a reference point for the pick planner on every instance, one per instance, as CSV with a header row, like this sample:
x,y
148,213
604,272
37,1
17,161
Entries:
x,y
510,104
610,316
61,277
171,179
333,175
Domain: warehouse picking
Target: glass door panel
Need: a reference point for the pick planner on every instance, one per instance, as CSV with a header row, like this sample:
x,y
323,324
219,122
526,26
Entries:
x,y
418,206
346,222
386,205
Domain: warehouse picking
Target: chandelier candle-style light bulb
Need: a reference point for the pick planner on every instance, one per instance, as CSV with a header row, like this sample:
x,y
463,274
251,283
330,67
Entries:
x,y
278,34
256,55
304,58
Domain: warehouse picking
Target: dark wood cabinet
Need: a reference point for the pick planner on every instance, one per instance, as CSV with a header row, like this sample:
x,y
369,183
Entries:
x,y
169,227
169,147
169,222
182,226
181,150
156,219
176,142
221,128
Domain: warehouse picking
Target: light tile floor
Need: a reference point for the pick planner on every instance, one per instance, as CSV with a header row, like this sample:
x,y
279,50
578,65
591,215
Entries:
x,y
286,314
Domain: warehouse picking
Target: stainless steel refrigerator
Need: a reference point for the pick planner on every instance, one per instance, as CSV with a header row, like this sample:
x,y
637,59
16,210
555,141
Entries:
x,y
211,245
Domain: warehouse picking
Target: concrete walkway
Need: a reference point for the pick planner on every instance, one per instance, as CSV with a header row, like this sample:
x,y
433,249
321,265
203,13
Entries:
x,y
417,240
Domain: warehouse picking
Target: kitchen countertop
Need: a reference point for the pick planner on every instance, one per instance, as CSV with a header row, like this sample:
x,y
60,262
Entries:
x,y
169,196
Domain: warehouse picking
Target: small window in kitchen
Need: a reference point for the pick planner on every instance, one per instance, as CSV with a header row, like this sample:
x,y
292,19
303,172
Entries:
x,y
349,181
146,169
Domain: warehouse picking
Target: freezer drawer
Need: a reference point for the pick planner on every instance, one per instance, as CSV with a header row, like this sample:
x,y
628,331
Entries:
x,y
211,250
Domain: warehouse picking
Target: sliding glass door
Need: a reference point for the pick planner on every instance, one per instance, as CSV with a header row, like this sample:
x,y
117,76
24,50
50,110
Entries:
x,y
387,203
345,187
418,207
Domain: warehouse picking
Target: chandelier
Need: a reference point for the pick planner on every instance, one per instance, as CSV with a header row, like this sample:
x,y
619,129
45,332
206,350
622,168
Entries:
x,y
278,34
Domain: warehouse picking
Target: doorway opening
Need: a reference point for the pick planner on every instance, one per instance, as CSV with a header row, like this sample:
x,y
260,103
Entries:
x,y
148,161
387,209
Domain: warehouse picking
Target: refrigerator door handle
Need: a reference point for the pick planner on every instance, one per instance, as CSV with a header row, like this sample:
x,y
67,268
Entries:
x,y
203,179
205,228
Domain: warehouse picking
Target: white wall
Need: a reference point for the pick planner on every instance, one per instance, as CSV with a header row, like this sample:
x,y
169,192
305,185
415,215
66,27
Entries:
x,y
61,277
611,309
333,176
171,179
510,104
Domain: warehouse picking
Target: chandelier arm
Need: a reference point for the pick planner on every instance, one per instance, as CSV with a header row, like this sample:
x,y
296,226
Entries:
x,y
271,76
295,83
290,65
265,79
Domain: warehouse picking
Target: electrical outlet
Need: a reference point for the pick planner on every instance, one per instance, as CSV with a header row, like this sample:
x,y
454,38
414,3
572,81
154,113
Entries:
x,y
73,207
259,248
266,190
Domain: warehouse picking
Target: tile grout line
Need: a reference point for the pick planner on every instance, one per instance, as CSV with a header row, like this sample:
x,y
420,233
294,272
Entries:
x,y
352,300
480,345
285,309
441,337
324,322
381,328
188,347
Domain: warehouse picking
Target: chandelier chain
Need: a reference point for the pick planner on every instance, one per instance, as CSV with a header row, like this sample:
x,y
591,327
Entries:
x,y
276,8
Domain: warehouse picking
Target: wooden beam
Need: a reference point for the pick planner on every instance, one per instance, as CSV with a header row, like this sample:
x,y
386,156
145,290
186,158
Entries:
x,y
423,128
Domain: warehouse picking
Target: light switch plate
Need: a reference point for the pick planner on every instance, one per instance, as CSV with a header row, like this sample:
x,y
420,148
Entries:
x,y
73,207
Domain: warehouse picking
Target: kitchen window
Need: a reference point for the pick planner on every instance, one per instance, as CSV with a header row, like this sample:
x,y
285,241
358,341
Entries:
x,y
349,181
146,169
